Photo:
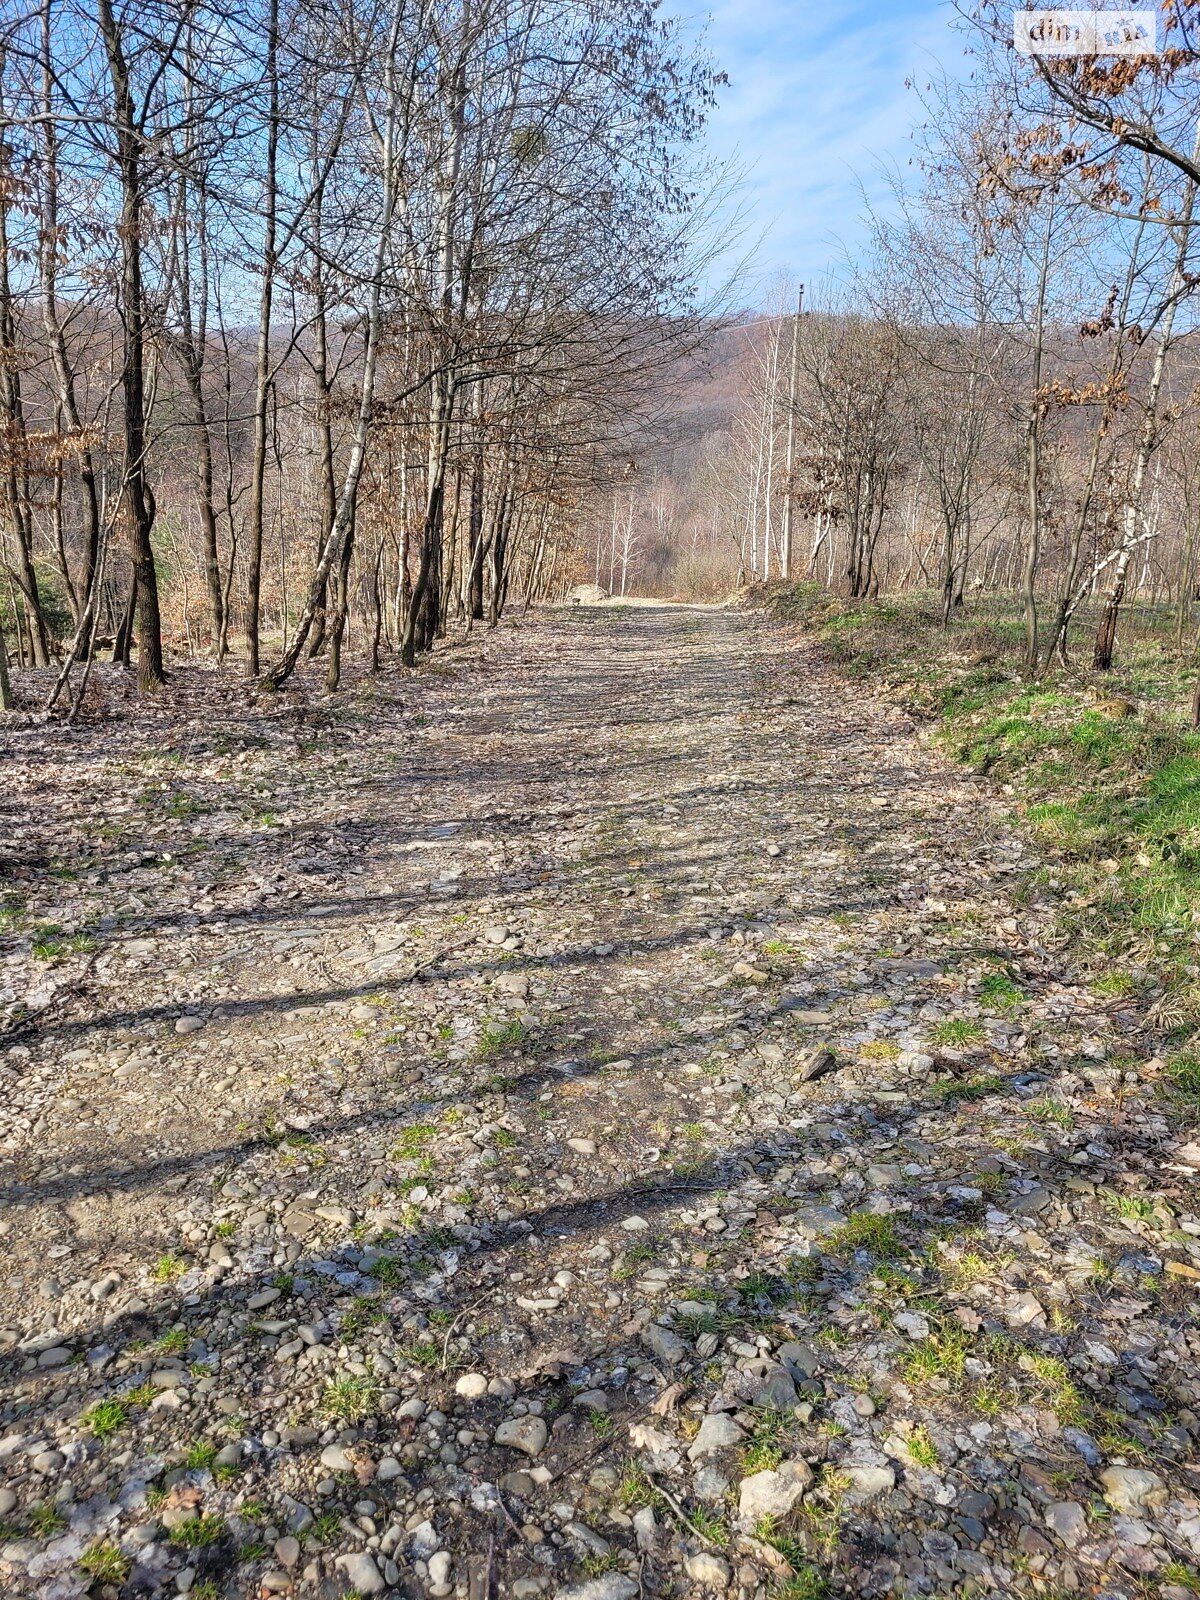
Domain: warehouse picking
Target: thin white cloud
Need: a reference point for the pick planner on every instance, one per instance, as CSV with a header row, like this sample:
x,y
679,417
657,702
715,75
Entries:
x,y
816,102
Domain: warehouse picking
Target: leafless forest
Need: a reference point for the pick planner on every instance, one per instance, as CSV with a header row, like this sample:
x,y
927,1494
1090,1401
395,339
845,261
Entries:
x,y
333,322
315,316
999,395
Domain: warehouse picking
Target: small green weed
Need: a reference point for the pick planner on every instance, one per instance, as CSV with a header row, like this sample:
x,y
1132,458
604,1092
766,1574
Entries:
x,y
866,1231
350,1399
957,1031
197,1533
104,1563
495,1038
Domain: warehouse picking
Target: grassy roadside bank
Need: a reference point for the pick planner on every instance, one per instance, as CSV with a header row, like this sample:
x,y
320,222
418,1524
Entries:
x,y
1103,770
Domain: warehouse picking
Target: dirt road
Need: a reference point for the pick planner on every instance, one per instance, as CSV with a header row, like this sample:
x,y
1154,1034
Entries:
x,y
610,1111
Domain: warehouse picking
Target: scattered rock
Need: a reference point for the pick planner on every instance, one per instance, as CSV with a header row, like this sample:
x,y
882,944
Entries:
x,y
717,1432
711,1571
1068,1520
773,1493
611,1586
1129,1489
361,1573
527,1434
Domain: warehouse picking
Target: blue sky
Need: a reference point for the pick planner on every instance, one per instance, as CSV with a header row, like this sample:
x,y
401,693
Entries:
x,y
816,103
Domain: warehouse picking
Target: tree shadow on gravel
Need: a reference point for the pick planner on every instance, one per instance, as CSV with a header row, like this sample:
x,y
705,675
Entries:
x,y
431,971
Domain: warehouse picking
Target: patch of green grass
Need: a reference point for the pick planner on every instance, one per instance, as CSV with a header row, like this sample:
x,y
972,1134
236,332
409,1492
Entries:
x,y
989,1182
1183,1078
495,1038
1116,797
768,1443
421,1353
836,1338
957,1031
350,1399
922,1448
1133,1207
197,1533
46,1520
711,1527
12,913
167,1268
970,1267
879,1050
104,1563
46,942
768,1286
1000,992
1114,983
980,1086
388,1271
988,1399
414,1141
595,1566
635,1489
636,1255
1049,1110
941,1357
866,1231
326,1527
1055,1388
105,1418
364,1311
200,1456
806,1583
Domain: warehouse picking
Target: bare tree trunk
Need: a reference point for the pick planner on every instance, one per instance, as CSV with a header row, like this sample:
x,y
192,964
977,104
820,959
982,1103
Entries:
x,y
6,699
475,539
785,535
377,607
348,499
1033,440
139,497
341,606
16,487
1106,631
55,338
191,344
322,393
262,372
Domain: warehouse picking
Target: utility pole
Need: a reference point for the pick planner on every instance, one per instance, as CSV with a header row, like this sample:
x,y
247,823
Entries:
x,y
785,537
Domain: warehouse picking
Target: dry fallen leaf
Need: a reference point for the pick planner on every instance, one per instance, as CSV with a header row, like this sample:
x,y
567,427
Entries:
x,y
554,1363
642,1437
668,1400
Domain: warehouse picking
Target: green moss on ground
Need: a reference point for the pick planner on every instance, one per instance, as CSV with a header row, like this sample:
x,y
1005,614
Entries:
x,y
1103,769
